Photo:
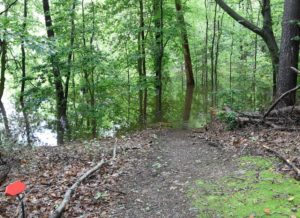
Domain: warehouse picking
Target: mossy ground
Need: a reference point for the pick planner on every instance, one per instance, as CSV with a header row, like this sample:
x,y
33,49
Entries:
x,y
254,191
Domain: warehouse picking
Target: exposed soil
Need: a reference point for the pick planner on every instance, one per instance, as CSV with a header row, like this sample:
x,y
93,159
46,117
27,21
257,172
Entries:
x,y
156,182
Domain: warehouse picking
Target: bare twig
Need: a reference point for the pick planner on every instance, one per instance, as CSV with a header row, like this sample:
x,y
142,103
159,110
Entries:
x,y
8,7
60,209
285,160
115,150
295,70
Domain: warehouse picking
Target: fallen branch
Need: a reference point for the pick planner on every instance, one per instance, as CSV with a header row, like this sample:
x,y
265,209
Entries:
x,y
60,209
281,97
287,161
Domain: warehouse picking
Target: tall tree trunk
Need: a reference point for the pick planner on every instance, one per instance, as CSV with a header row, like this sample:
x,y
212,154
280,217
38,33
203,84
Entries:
x,y
185,44
255,68
206,46
128,84
266,32
230,70
289,51
219,30
3,61
23,81
158,56
212,58
142,67
69,61
61,103
92,89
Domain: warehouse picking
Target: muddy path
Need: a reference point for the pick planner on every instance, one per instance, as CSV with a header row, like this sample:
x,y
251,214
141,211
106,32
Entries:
x,y
155,182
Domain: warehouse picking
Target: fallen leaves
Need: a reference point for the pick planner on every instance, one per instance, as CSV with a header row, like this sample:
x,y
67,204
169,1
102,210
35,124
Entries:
x,y
50,171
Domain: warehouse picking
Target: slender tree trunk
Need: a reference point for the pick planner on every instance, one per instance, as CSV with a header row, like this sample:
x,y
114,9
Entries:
x,y
3,61
255,68
230,68
140,72
212,58
158,56
23,81
128,84
92,89
185,44
69,61
144,63
289,51
61,103
206,46
142,67
219,28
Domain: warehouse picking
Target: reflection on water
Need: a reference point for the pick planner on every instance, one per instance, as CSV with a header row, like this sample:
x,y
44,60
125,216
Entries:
x,y
187,106
42,134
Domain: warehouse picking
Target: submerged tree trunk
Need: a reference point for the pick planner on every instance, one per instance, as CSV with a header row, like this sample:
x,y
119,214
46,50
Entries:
x,y
61,103
185,44
158,56
187,105
289,51
23,80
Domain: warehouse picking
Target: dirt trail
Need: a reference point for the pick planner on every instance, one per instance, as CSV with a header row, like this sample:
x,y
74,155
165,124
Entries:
x,y
156,181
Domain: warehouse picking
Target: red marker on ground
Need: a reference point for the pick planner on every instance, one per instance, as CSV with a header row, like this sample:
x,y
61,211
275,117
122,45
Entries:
x,y
16,189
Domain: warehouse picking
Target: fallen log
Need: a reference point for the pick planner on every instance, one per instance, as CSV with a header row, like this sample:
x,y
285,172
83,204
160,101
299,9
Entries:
x,y
279,99
285,160
60,209
286,110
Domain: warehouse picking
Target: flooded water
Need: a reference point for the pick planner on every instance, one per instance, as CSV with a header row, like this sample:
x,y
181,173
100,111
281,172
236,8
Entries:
x,y
42,135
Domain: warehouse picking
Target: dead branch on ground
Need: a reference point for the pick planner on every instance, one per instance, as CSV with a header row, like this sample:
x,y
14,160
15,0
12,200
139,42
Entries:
x,y
60,209
285,160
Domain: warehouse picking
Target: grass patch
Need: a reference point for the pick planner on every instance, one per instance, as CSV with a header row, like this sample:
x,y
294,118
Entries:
x,y
256,190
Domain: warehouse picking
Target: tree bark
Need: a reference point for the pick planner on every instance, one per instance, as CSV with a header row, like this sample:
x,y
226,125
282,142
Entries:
x,y
61,103
289,51
185,44
158,56
3,61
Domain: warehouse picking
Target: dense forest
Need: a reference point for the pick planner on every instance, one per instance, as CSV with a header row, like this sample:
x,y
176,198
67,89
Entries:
x,y
84,67
149,108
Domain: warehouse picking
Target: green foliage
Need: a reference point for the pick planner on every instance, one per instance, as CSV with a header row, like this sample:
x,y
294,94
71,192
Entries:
x,y
229,118
256,189
105,54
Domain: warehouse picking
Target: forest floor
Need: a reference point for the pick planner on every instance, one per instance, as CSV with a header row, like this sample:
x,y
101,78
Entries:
x,y
151,176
